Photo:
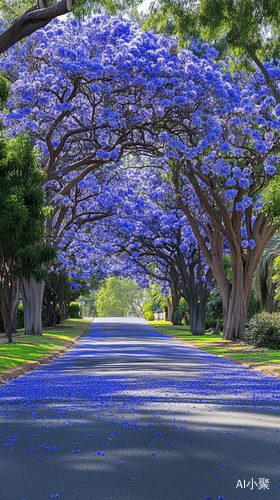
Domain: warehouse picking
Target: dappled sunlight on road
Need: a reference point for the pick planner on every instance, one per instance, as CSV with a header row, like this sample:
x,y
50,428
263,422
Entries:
x,y
132,414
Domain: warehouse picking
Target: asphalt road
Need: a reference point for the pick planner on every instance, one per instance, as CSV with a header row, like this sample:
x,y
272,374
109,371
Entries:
x,y
130,414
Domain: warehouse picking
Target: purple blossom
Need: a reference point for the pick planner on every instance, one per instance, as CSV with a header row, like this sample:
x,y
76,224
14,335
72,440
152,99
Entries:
x,y
240,206
252,244
244,183
270,169
225,147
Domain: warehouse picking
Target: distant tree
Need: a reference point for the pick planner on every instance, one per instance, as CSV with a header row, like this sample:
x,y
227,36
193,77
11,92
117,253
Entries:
x,y
120,298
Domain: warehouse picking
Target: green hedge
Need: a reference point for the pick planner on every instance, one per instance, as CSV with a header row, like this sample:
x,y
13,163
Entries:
x,y
74,310
263,330
149,316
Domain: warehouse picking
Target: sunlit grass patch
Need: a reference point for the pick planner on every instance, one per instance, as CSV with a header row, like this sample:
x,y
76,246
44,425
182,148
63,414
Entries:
x,y
30,348
214,344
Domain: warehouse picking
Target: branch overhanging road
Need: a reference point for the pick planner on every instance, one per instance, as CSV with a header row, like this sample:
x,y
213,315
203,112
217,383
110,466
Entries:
x,y
131,414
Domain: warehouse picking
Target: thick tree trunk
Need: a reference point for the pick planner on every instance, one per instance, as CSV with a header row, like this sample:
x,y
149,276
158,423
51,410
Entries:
x,y
9,305
175,304
32,298
196,294
197,319
169,309
236,298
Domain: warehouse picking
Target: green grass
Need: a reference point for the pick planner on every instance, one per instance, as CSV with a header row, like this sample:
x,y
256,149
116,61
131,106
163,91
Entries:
x,y
182,332
208,343
30,348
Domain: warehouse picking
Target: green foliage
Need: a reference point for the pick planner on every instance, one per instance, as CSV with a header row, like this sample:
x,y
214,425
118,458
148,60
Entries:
x,y
20,317
59,293
74,310
271,201
154,299
12,9
149,316
22,212
246,29
214,307
120,298
4,88
227,266
267,275
182,311
263,331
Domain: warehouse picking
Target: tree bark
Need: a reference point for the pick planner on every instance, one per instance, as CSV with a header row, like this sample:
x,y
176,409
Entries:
x,y
175,304
169,309
32,298
272,303
9,295
50,312
196,294
217,328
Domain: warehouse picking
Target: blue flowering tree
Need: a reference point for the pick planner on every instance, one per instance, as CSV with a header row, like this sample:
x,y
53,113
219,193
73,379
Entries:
x,y
222,134
83,92
143,237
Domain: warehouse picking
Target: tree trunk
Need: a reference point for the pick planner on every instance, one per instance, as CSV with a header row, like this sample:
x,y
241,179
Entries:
x,y
32,298
14,315
175,304
217,328
49,310
169,309
9,305
198,320
271,303
236,299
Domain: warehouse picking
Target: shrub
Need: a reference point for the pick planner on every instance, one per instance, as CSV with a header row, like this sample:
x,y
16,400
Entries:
x,y
263,330
74,310
149,316
20,317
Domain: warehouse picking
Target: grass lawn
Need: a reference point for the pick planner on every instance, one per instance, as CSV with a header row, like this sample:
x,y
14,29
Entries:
x,y
266,360
31,348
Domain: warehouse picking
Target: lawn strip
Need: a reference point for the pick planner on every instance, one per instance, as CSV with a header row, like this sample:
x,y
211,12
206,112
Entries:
x,y
29,351
264,360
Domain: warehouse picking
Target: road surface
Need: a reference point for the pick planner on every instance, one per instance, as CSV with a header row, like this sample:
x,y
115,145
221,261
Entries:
x,y
130,414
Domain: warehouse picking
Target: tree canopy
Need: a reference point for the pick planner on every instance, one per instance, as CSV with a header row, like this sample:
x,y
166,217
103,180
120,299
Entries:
x,y
101,94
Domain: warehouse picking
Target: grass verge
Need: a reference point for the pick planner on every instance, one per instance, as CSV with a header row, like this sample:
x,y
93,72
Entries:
x,y
265,360
28,348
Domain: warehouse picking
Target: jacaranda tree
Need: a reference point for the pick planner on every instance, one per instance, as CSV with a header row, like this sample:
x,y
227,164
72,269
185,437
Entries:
x,y
104,89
